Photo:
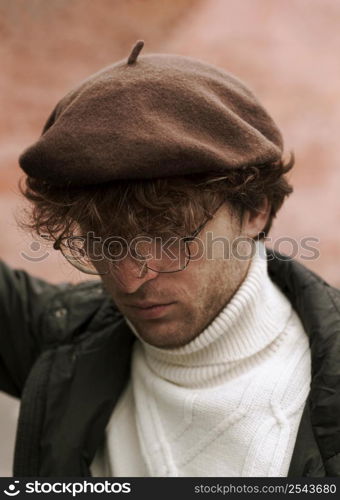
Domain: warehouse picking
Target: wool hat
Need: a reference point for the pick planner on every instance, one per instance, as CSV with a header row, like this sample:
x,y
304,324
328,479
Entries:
x,y
154,115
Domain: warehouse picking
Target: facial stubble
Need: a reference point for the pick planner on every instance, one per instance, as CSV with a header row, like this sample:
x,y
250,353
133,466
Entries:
x,y
216,285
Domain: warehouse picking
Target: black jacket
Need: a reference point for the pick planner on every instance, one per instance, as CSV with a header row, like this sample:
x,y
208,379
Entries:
x,y
65,351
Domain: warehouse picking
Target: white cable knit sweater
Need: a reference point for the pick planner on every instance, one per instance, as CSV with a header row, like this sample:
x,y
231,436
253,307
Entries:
x,y
227,404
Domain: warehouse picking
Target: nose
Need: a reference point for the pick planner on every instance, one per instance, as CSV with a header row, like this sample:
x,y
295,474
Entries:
x,y
129,276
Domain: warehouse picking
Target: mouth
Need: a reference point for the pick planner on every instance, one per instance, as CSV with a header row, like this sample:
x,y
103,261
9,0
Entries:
x,y
150,310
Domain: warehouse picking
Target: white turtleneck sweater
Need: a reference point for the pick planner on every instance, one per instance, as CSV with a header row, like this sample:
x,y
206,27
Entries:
x,y
228,403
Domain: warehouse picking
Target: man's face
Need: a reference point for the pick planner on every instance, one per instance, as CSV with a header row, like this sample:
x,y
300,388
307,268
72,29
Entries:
x,y
190,299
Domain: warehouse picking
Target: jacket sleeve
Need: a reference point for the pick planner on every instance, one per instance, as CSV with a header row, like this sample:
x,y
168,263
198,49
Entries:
x,y
23,299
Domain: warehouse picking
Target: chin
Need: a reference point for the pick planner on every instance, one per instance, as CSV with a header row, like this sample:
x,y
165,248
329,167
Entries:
x,y
165,336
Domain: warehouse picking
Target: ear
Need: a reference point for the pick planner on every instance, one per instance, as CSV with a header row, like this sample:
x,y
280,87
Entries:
x,y
254,223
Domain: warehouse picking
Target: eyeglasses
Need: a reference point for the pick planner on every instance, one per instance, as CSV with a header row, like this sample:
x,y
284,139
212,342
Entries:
x,y
172,257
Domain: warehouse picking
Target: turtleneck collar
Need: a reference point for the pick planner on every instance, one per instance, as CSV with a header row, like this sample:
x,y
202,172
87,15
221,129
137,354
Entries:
x,y
247,329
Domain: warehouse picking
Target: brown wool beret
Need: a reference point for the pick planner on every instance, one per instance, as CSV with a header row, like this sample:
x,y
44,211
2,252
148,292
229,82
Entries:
x,y
150,116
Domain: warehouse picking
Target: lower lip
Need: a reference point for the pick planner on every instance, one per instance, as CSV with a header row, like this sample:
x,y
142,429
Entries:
x,y
152,312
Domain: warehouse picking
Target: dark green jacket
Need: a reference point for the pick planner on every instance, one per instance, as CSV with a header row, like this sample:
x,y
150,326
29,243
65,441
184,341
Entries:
x,y
65,351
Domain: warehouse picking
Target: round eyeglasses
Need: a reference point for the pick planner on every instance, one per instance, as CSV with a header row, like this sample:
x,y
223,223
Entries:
x,y
92,256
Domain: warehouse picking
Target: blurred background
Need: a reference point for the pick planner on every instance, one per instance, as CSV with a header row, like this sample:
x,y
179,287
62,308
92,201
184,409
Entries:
x,y
287,53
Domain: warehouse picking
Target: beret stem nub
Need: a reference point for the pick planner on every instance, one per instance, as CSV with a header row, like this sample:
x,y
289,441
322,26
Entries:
x,y
135,51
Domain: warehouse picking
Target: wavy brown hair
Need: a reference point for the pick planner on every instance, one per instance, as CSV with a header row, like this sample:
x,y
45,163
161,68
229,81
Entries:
x,y
162,206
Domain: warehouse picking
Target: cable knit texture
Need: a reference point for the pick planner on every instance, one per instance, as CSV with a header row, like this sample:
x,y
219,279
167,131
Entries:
x,y
228,403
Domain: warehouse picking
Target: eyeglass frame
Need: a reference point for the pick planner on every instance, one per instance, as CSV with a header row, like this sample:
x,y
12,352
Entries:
x,y
187,239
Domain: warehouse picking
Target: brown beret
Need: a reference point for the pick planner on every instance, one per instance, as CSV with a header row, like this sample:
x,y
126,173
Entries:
x,y
151,116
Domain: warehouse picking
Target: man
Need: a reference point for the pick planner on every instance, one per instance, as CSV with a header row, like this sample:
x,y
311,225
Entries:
x,y
198,352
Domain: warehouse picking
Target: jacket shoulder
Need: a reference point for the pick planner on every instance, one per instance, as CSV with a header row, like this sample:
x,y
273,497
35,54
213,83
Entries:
x,y
76,309
294,278
24,300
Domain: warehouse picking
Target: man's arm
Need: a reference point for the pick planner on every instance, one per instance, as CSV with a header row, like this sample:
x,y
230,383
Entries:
x,y
23,299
